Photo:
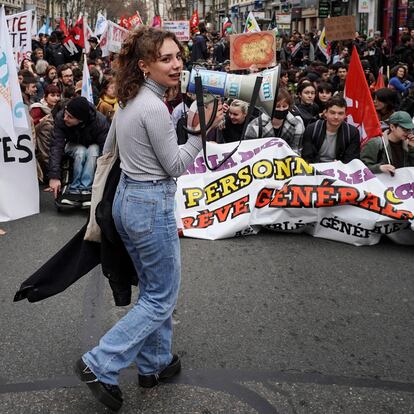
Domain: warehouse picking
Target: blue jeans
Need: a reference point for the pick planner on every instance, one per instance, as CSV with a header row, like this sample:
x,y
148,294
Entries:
x,y
144,217
84,165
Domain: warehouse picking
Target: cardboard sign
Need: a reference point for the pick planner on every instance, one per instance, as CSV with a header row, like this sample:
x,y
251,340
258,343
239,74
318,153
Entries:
x,y
249,49
181,29
340,28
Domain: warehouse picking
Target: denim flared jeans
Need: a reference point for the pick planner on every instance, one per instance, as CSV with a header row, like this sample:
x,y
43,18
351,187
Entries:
x,y
144,217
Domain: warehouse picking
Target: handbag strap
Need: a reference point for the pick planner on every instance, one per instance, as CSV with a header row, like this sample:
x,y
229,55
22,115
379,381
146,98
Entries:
x,y
111,144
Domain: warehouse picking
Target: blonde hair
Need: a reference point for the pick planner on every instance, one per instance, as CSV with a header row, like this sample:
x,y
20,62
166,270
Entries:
x,y
237,103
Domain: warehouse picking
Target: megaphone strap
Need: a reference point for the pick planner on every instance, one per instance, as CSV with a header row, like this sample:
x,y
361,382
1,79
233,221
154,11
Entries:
x,y
202,118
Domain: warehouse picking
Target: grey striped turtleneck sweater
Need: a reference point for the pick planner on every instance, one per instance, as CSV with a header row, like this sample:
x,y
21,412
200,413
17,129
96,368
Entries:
x,y
147,139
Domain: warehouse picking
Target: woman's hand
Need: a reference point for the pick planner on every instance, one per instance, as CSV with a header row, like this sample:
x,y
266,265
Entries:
x,y
194,122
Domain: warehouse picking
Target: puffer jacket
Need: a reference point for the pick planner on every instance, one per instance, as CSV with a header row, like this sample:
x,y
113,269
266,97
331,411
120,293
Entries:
x,y
93,132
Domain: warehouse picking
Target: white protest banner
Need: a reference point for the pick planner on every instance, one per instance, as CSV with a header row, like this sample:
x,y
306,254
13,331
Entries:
x,y
266,184
19,190
20,29
181,28
100,25
86,82
112,38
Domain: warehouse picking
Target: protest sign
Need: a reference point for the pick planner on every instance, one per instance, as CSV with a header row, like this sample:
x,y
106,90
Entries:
x,y
19,190
20,30
249,49
100,25
266,184
112,38
340,28
181,28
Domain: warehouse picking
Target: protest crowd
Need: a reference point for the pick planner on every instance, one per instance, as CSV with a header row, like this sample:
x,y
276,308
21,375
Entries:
x,y
74,94
309,114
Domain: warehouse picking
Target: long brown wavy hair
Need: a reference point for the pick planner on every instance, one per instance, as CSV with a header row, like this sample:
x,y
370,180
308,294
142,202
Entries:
x,y
143,43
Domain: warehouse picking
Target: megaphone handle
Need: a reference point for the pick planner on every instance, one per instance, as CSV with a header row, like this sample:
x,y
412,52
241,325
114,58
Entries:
x,y
252,105
200,107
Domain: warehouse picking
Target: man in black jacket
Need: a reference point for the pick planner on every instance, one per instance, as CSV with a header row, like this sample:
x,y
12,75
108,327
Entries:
x,y
199,50
80,132
332,139
55,52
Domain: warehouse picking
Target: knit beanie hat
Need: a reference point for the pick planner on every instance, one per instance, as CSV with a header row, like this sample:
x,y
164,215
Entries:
x,y
78,107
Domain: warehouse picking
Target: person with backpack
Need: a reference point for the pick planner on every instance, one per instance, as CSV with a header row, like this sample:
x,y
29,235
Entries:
x,y
395,149
331,139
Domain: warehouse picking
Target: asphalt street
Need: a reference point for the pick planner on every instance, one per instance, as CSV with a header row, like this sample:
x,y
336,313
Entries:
x,y
272,323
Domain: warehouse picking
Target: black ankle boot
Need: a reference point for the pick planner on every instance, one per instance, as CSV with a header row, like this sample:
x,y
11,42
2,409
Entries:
x,y
108,394
149,381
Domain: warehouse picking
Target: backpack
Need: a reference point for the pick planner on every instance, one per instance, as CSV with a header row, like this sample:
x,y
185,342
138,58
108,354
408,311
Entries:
x,y
319,127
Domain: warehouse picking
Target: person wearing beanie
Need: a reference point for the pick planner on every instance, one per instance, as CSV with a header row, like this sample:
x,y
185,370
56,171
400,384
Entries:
x,y
79,132
95,51
395,150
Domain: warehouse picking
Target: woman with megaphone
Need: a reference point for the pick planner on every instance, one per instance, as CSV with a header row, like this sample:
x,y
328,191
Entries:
x,y
283,123
150,62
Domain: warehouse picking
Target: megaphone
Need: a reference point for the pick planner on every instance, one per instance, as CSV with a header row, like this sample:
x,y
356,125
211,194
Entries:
x,y
235,86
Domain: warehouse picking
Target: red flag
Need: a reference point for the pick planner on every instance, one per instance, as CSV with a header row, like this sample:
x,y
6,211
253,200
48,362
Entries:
x,y
124,22
135,21
379,84
360,106
77,33
62,27
194,21
156,21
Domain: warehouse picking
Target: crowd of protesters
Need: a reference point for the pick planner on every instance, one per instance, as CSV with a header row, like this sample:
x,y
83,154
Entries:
x,y
310,112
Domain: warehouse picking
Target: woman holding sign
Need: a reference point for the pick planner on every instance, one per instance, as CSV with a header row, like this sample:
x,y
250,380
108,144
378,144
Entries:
x,y
150,62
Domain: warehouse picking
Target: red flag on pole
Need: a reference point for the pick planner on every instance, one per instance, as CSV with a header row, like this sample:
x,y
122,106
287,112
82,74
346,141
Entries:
x,y
62,27
135,20
360,106
78,34
124,22
379,84
194,22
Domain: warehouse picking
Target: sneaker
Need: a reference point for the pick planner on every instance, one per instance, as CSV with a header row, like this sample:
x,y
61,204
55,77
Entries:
x,y
86,204
68,202
107,394
72,195
149,381
86,195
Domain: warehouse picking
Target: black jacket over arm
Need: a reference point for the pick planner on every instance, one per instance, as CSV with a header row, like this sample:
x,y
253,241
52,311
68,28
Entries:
x,y
347,142
78,257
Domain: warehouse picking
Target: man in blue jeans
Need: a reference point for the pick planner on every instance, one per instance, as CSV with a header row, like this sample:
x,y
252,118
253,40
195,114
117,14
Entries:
x,y
80,132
